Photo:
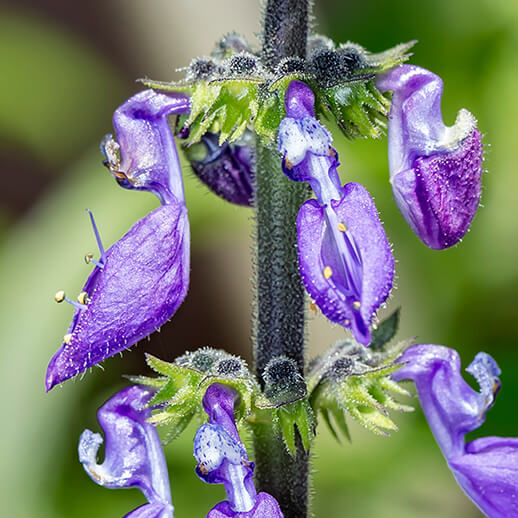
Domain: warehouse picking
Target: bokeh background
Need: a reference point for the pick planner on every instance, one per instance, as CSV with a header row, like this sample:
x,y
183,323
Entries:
x,y
64,67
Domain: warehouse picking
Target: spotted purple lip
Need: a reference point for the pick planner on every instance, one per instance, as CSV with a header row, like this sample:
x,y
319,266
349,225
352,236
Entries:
x,y
345,260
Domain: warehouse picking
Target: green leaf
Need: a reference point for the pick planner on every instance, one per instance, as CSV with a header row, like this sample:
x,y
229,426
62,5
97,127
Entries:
x,y
385,331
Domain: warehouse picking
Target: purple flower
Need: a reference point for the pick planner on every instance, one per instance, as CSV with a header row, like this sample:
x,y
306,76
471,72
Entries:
x,y
227,169
133,453
222,459
345,260
435,170
486,468
139,282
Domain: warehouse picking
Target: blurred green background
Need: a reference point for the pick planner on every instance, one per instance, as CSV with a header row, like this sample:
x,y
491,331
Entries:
x,y
65,66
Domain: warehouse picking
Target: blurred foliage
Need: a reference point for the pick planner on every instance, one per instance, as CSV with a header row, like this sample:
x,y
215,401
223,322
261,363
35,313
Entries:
x,y
57,95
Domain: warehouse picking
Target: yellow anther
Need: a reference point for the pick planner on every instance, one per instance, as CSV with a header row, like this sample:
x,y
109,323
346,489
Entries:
x,y
347,322
356,305
342,227
327,272
59,296
82,298
67,338
332,152
288,165
88,257
313,306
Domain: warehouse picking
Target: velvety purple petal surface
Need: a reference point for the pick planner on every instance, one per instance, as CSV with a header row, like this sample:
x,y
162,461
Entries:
x,y
156,510
148,156
318,244
441,193
435,170
265,507
488,473
486,468
133,453
227,170
218,403
144,280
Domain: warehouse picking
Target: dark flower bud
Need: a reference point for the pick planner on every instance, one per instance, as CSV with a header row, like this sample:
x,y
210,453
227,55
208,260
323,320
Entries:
x,y
201,69
326,67
242,64
290,65
282,381
227,170
318,42
352,59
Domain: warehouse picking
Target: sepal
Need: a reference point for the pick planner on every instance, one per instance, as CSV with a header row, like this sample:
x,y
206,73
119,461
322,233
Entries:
x,y
350,379
292,418
183,383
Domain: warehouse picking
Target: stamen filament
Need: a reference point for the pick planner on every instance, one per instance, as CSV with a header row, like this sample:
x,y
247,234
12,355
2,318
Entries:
x,y
97,237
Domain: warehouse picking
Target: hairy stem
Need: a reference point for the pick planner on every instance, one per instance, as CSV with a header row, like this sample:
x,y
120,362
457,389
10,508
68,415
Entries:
x,y
280,296
285,31
279,325
279,322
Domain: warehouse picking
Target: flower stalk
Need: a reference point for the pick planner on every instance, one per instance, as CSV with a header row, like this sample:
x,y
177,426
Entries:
x,y
279,320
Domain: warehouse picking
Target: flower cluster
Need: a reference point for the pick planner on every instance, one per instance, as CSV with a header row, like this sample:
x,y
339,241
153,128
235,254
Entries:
x,y
134,456
345,262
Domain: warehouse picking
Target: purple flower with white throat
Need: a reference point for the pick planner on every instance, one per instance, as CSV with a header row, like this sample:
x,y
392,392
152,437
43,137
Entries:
x,y
485,468
222,459
133,453
139,282
435,170
345,260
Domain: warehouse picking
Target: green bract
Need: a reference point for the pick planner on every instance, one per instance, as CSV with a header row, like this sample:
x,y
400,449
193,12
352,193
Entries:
x,y
232,90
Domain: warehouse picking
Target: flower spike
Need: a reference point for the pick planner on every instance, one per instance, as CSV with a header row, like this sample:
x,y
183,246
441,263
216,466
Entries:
x,y
140,281
486,468
435,170
133,453
222,459
345,260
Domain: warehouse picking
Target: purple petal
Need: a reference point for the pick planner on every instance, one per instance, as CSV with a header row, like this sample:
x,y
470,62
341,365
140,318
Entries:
x,y
144,279
156,510
487,468
305,145
218,403
452,408
133,453
148,157
228,170
265,507
488,473
222,459
345,260
435,170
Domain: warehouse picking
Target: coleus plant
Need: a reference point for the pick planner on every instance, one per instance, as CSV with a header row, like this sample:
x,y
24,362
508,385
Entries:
x,y
250,122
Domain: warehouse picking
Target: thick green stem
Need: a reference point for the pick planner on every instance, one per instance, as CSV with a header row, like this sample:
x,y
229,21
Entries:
x,y
279,322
